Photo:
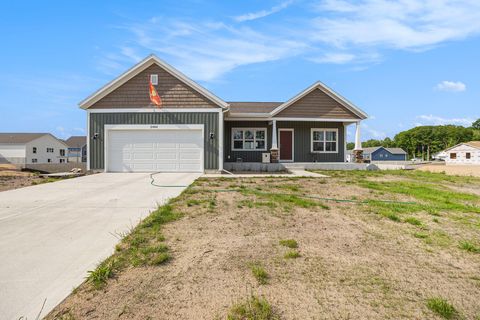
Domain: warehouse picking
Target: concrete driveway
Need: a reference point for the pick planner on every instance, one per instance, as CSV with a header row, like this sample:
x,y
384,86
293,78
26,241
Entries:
x,y
52,234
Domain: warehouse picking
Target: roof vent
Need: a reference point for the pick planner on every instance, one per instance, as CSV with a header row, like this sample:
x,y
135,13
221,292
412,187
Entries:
x,y
154,79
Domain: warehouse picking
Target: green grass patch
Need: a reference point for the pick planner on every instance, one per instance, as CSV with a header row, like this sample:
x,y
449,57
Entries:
x,y
469,246
289,187
143,246
412,220
438,238
289,243
284,200
291,254
442,308
420,235
254,308
46,180
104,271
259,273
432,198
416,175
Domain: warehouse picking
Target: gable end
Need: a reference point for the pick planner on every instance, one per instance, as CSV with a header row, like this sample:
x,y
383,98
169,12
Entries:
x,y
317,104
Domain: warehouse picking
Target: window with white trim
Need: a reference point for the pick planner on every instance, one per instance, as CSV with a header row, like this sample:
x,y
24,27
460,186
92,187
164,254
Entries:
x,y
249,139
49,150
324,140
154,79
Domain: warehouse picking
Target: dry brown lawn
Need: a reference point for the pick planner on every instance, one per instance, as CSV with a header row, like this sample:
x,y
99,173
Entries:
x,y
460,170
14,179
357,260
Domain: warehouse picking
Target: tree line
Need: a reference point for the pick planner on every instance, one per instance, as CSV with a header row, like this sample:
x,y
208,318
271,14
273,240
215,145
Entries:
x,y
424,141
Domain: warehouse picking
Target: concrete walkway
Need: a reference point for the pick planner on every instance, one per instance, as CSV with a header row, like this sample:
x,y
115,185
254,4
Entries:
x,y
52,234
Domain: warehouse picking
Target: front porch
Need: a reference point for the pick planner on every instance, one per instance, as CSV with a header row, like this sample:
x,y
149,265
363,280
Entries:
x,y
288,167
307,142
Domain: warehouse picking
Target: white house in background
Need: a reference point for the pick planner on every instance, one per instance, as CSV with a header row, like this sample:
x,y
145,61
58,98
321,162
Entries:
x,y
30,148
464,153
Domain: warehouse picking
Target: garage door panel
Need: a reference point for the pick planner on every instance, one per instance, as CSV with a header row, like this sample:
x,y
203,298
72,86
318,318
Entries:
x,y
190,155
169,154
155,150
143,156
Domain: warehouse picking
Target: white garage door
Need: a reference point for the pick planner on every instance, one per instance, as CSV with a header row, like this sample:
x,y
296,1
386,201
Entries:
x,y
165,150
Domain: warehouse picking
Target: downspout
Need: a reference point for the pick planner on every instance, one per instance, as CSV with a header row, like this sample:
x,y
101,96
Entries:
x,y
221,139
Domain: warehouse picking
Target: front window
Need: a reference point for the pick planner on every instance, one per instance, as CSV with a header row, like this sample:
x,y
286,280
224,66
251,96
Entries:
x,y
453,156
34,149
249,139
34,160
62,152
50,150
468,155
324,140
49,160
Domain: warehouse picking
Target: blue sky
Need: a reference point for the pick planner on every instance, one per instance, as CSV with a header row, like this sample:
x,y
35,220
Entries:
x,y
405,63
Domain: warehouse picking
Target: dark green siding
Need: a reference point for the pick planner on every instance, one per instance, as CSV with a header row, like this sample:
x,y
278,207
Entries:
x,y
302,140
99,120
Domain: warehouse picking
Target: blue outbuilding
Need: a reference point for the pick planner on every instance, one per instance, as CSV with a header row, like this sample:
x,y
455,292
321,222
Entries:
x,y
383,154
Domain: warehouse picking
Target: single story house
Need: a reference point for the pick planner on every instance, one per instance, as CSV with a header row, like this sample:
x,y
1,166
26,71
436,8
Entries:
x,y
31,148
77,149
194,130
466,153
381,154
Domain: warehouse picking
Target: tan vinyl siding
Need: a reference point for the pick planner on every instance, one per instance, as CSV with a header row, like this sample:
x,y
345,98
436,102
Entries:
x,y
134,93
319,105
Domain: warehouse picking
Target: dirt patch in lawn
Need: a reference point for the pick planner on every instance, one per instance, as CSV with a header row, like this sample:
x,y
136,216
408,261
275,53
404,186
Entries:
x,y
351,261
12,179
459,170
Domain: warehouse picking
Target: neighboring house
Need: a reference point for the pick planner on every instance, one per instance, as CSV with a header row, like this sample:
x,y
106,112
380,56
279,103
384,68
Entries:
x,y
381,154
464,153
439,156
31,148
194,130
77,149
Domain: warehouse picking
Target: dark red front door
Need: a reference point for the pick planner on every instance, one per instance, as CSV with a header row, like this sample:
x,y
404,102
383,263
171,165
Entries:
x,y
286,145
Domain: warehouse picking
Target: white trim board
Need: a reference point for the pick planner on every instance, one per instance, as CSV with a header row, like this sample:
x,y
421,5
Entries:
x,y
254,138
154,110
324,139
293,119
141,66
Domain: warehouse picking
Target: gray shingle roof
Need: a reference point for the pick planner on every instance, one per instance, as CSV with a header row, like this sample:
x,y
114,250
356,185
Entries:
x,y
253,107
76,141
391,150
19,138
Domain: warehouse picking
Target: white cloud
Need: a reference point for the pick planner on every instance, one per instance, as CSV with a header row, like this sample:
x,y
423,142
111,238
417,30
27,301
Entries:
x,y
335,58
262,13
335,32
437,120
205,50
451,86
376,134
405,24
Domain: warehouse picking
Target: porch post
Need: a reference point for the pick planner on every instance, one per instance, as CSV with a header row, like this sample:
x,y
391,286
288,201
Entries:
x,y
274,150
274,134
358,151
